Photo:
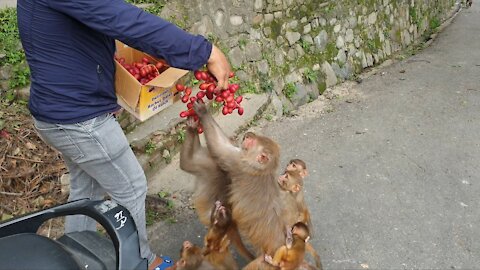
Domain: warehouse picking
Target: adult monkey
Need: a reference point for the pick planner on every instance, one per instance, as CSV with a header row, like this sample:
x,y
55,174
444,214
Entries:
x,y
257,206
211,184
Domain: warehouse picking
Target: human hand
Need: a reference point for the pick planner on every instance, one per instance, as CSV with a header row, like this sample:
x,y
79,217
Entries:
x,y
219,67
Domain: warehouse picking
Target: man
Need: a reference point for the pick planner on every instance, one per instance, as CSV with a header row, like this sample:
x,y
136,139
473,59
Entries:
x,y
70,49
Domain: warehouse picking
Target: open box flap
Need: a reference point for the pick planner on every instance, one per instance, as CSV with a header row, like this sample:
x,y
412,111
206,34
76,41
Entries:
x,y
167,78
127,87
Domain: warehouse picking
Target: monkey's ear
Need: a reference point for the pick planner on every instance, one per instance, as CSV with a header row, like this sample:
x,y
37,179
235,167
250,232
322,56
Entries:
x,y
303,173
263,158
296,188
182,263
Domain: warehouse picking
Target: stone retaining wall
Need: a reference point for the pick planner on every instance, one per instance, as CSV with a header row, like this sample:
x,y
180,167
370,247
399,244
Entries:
x,y
297,48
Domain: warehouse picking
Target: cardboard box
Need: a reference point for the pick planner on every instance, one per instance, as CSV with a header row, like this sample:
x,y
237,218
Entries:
x,y
144,101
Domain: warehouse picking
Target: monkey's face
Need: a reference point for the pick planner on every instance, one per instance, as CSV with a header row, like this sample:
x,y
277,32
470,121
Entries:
x,y
290,182
301,229
295,167
292,166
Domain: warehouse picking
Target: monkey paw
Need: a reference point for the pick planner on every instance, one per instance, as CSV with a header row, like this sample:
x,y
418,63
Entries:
x,y
268,259
200,108
191,123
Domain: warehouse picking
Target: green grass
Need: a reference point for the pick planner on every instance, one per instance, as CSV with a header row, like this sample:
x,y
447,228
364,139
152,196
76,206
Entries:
x,y
289,90
13,55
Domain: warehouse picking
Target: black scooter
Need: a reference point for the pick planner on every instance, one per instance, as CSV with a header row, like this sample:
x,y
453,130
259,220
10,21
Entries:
x,y
22,248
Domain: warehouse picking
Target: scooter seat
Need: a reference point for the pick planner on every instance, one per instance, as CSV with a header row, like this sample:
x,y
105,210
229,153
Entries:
x,y
33,251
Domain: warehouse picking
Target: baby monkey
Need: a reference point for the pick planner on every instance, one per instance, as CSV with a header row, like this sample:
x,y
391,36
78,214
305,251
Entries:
x,y
292,254
291,182
191,258
217,242
297,165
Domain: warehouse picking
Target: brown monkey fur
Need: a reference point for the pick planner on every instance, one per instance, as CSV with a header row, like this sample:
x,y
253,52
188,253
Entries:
x,y
212,183
257,206
216,248
191,258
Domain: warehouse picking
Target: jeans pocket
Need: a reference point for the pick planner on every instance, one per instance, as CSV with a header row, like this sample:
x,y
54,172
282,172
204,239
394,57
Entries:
x,y
57,136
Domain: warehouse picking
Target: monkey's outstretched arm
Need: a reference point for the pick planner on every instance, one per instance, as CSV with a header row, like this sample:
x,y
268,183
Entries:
x,y
218,143
190,146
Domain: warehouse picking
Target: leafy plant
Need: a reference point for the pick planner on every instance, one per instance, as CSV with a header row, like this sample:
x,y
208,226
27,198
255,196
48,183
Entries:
x,y
181,136
150,147
310,75
434,23
10,38
307,46
289,90
20,78
242,43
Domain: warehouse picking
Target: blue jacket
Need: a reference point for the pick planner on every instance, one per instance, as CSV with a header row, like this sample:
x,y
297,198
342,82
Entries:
x,y
69,45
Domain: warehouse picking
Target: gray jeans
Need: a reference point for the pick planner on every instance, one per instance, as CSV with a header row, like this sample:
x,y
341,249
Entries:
x,y
100,160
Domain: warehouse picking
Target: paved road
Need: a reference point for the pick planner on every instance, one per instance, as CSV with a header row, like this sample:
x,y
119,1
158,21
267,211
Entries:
x,y
394,166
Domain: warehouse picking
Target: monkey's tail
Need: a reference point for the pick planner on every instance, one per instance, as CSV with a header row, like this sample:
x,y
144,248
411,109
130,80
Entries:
x,y
315,256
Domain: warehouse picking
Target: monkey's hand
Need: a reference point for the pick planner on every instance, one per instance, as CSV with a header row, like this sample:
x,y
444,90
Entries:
x,y
191,123
289,239
269,259
200,108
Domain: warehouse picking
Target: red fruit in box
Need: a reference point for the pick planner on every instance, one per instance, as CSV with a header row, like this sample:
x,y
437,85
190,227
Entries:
x,y
210,95
193,99
159,65
188,91
145,60
240,110
231,75
183,114
185,98
219,99
189,105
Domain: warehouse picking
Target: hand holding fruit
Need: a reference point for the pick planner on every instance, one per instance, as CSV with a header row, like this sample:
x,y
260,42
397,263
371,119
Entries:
x,y
219,67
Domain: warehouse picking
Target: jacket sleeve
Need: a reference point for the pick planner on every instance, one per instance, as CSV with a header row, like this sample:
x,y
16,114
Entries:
x,y
139,29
